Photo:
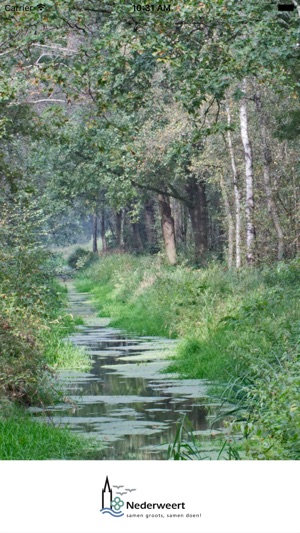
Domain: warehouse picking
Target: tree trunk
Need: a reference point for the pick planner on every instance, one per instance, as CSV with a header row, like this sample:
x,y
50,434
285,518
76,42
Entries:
x,y
250,228
138,243
102,231
229,222
198,213
150,225
95,233
180,220
184,222
167,225
267,160
120,216
237,195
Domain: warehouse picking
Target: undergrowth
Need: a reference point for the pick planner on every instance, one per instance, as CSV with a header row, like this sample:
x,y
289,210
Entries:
x,y
32,327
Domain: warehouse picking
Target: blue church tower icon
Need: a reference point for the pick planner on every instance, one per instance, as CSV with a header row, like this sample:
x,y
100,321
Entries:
x,y
106,495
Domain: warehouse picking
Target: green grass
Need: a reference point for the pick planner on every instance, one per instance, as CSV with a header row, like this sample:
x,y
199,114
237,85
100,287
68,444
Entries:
x,y
122,289
71,357
225,319
61,354
22,438
240,329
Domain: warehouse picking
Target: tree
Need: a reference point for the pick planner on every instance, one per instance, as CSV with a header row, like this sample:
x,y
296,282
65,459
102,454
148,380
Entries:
x,y
250,229
237,194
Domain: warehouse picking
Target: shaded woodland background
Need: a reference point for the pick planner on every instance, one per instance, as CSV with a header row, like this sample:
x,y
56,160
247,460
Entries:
x,y
173,130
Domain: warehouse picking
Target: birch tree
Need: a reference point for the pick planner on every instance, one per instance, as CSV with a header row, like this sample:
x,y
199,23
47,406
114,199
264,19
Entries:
x,y
237,193
249,206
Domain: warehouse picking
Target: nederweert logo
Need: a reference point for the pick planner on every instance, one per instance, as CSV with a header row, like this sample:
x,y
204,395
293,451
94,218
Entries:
x,y
110,505
115,506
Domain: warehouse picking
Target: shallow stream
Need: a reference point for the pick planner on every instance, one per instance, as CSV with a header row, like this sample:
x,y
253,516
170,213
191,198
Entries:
x,y
124,400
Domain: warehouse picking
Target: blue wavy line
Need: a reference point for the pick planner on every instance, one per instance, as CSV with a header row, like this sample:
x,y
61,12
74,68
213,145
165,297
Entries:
x,y
116,514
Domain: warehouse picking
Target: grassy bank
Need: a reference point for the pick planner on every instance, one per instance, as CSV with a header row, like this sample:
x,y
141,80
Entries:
x,y
240,328
60,353
22,438
32,329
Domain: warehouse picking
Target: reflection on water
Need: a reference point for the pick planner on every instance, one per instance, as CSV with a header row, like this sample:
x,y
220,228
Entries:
x,y
124,400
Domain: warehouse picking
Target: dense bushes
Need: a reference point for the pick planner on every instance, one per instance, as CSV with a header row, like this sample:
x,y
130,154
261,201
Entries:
x,y
80,258
22,365
237,328
32,347
272,429
31,324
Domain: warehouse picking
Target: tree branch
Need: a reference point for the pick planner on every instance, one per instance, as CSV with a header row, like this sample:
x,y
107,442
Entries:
x,y
55,47
48,100
174,193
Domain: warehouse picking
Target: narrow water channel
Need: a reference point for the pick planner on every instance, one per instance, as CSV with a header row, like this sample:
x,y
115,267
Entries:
x,y
124,400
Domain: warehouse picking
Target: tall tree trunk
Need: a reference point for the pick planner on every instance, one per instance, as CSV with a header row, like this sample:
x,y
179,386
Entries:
x,y
237,195
180,222
150,224
250,228
102,232
229,222
95,233
267,160
120,218
198,213
138,243
167,225
184,222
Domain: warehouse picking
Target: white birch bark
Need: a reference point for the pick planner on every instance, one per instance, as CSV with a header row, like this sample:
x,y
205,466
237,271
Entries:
x,y
237,195
249,209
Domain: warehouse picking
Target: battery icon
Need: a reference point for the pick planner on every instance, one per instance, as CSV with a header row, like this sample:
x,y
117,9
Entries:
x,y
286,7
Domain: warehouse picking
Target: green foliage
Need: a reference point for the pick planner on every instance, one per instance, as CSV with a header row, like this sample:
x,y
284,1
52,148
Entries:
x,y
122,289
31,327
80,258
61,354
31,332
25,290
288,125
272,428
22,366
186,447
23,438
